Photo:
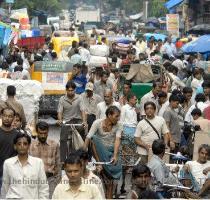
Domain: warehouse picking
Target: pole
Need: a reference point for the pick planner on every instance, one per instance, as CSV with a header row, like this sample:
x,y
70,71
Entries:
x,y
146,10
9,9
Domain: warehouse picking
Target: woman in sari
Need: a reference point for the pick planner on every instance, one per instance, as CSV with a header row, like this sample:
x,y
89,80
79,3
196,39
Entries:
x,y
105,135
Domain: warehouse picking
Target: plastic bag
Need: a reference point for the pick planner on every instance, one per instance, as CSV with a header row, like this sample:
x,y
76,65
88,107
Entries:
x,y
77,139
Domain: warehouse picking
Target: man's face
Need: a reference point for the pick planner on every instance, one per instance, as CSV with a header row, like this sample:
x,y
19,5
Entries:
x,y
76,71
114,118
133,101
7,118
188,96
157,89
203,156
117,75
42,135
206,91
70,92
149,111
143,181
162,100
108,98
22,146
104,78
174,104
126,89
73,172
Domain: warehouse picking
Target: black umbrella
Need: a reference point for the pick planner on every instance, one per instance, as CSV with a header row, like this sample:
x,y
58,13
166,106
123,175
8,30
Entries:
x,y
200,29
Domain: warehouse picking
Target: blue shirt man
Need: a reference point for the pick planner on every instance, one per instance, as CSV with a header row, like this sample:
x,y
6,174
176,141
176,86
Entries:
x,y
79,79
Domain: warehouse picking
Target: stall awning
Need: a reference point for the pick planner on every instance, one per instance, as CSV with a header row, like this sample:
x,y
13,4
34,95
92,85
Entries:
x,y
172,3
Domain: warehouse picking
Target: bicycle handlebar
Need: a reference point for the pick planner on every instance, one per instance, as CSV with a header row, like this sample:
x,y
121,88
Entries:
x,y
176,186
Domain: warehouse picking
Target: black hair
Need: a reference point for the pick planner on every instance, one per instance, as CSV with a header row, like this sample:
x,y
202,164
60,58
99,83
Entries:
x,y
19,60
104,73
130,96
196,111
78,66
158,147
85,45
196,71
8,108
155,83
22,135
74,44
73,158
82,154
140,169
76,50
173,68
149,103
18,68
174,98
128,83
54,55
4,65
9,59
11,90
42,126
206,84
111,110
187,90
200,97
70,84
162,94
80,43
176,92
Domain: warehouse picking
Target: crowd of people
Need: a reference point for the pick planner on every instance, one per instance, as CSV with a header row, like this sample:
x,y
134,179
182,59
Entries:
x,y
102,101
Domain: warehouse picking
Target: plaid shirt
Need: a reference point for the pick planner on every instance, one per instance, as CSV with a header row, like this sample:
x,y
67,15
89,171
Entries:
x,y
49,153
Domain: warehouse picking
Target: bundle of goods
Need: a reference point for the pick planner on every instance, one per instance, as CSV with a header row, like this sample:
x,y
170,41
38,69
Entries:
x,y
28,93
99,54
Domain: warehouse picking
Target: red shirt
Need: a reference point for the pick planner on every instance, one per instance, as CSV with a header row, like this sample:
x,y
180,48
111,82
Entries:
x,y
206,113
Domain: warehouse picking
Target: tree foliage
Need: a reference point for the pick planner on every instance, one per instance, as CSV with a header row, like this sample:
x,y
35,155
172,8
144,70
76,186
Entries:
x,y
156,8
49,6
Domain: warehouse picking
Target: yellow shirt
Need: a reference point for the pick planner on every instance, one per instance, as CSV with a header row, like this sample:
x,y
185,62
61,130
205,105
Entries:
x,y
85,191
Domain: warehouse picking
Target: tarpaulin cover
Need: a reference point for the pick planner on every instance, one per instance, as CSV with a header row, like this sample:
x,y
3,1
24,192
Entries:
x,y
172,3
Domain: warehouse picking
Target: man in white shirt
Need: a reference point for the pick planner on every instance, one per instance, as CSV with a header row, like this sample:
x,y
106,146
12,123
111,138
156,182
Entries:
x,y
23,175
162,103
128,116
200,169
75,187
200,103
142,45
169,48
108,101
145,134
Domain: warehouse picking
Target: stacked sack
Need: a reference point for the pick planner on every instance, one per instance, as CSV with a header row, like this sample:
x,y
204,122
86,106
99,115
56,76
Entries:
x,y
99,54
28,93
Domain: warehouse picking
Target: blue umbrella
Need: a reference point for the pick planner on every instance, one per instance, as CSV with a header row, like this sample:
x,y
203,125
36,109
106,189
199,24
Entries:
x,y
201,45
156,36
124,40
119,39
